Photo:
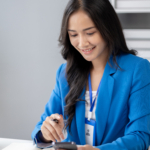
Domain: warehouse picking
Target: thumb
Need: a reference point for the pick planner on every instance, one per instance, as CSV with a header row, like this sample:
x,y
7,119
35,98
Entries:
x,y
79,148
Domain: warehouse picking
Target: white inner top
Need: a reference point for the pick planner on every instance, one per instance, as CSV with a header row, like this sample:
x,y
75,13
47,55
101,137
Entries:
x,y
87,104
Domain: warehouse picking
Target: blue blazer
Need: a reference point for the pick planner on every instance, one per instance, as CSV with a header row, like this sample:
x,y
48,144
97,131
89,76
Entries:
x,y
122,110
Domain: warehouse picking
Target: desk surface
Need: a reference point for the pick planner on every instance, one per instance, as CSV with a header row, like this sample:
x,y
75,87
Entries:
x,y
4,142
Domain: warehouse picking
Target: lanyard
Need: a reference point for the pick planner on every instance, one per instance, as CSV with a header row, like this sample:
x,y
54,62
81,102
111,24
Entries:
x,y
90,93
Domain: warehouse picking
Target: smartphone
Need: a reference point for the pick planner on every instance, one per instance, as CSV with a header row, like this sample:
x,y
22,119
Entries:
x,y
64,145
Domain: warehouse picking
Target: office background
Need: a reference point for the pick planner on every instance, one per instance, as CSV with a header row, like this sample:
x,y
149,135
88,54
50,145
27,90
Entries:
x,y
29,58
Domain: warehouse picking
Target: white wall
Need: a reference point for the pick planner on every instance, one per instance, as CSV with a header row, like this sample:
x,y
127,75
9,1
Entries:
x,y
29,58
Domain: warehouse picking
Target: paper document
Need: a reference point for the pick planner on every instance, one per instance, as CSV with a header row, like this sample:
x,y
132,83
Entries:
x,y
23,146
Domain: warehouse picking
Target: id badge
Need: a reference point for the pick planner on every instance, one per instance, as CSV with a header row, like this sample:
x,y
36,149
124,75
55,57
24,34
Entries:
x,y
90,131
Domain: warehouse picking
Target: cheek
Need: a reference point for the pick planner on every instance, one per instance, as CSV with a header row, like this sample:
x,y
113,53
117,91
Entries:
x,y
100,42
97,39
73,42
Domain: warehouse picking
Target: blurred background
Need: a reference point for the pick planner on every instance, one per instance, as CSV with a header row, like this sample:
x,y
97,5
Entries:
x,y
30,56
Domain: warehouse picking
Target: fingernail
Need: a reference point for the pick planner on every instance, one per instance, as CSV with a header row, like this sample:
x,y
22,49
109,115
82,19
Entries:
x,y
58,117
62,136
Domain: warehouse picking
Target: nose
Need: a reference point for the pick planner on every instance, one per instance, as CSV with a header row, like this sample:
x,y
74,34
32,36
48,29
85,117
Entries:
x,y
83,42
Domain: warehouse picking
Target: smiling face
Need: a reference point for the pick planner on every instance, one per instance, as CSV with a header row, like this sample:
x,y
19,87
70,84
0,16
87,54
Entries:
x,y
85,37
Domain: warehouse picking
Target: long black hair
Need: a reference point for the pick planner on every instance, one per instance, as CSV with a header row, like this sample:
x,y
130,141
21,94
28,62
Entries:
x,y
106,21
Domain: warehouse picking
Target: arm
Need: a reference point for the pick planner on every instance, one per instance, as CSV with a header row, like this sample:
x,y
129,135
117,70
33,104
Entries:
x,y
53,106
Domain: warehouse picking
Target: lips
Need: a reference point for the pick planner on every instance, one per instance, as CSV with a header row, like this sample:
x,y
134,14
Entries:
x,y
87,50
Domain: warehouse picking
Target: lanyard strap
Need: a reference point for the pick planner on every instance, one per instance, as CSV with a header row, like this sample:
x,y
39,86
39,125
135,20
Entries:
x,y
90,94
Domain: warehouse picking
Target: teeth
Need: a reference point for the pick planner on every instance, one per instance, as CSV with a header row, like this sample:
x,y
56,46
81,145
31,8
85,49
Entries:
x,y
88,50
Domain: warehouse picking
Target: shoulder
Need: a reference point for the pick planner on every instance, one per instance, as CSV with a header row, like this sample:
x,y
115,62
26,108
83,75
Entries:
x,y
133,63
137,68
131,60
61,72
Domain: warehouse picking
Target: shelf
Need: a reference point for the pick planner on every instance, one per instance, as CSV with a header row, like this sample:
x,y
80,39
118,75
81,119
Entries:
x,y
131,6
144,53
139,44
138,39
137,33
132,11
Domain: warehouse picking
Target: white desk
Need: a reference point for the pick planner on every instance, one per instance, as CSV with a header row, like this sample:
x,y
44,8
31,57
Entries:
x,y
5,142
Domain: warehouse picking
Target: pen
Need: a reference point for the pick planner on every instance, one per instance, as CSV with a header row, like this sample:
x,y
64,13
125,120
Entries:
x,y
55,120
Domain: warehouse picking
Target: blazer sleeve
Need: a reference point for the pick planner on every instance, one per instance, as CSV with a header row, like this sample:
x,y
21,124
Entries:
x,y
137,131
53,106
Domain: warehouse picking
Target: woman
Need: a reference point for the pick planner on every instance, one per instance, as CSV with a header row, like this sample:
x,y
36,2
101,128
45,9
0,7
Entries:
x,y
103,89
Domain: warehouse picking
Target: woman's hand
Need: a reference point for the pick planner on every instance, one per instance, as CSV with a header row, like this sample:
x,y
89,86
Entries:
x,y
52,131
87,147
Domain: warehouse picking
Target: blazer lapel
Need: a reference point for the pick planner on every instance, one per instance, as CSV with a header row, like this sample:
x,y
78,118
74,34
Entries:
x,y
104,102
80,118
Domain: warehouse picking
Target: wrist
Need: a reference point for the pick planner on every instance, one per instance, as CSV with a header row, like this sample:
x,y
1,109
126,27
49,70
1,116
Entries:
x,y
42,139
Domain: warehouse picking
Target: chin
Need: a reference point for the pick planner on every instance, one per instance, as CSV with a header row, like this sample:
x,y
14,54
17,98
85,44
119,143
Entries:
x,y
88,59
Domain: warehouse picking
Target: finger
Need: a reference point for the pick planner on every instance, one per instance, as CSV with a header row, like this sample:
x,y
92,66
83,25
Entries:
x,y
58,117
80,148
87,147
54,133
47,135
58,126
58,129
52,130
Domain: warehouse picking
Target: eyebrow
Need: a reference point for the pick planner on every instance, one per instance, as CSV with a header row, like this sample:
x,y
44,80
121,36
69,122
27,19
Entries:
x,y
83,29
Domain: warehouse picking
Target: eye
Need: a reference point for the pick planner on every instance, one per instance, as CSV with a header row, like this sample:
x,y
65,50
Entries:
x,y
90,33
73,35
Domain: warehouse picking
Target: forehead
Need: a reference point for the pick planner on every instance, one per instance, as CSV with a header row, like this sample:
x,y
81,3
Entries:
x,y
79,21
